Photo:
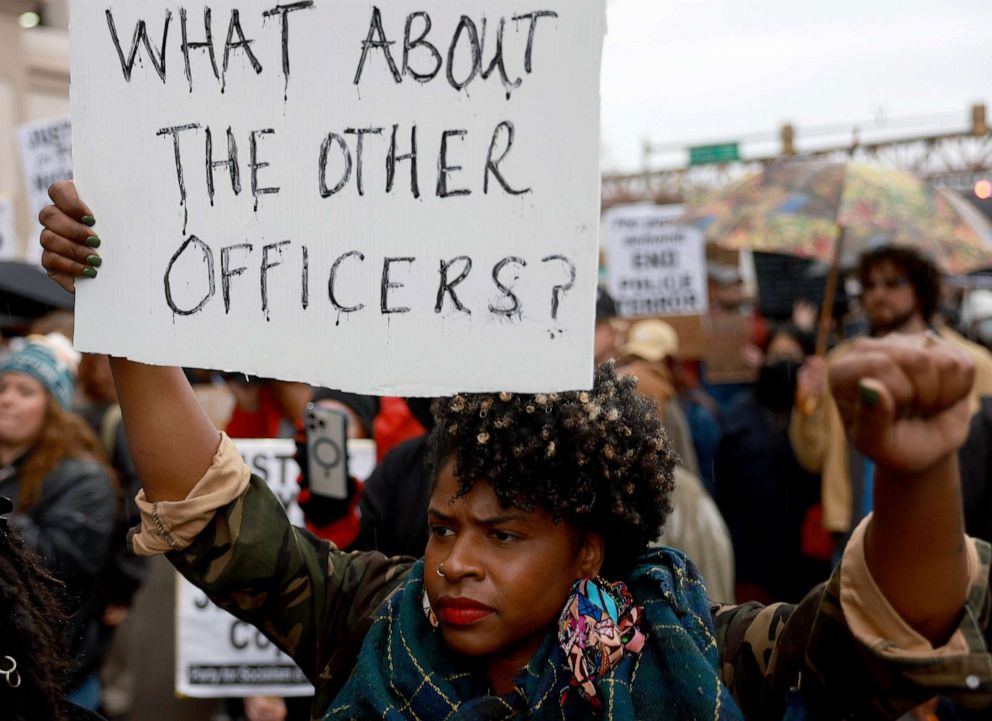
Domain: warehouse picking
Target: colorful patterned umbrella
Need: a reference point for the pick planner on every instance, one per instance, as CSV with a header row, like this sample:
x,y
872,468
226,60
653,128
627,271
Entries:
x,y
800,207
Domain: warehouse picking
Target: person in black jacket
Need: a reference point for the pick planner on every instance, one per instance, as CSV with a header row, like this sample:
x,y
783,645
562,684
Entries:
x,y
62,493
764,494
394,504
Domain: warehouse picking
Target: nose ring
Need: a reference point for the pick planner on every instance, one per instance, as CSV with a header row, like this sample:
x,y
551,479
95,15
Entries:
x,y
440,570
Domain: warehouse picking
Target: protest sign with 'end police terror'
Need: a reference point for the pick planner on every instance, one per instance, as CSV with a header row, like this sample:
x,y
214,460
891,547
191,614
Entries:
x,y
395,198
656,266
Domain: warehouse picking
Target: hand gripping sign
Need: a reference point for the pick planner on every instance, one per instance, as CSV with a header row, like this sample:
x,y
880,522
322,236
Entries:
x,y
392,198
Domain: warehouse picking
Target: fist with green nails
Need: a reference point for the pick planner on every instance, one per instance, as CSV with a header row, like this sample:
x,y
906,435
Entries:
x,y
67,237
904,399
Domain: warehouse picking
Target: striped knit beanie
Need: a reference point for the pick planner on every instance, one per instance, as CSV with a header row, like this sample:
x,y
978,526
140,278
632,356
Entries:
x,y
39,361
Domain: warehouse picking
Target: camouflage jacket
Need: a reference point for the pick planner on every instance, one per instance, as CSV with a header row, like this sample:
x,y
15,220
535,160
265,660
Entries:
x,y
315,603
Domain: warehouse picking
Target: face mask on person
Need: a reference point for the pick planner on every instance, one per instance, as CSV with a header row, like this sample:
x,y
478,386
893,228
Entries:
x,y
776,386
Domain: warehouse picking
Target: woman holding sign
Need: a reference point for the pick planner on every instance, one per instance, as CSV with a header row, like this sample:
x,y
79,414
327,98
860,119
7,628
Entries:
x,y
538,596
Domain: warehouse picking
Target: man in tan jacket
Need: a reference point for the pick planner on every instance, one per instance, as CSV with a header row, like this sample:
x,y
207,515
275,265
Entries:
x,y
900,289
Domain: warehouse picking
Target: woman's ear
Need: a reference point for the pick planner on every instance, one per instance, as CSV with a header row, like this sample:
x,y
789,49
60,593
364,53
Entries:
x,y
590,556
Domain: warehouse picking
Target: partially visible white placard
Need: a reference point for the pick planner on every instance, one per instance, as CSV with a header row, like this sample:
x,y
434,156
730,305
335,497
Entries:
x,y
8,234
46,156
402,198
218,656
654,265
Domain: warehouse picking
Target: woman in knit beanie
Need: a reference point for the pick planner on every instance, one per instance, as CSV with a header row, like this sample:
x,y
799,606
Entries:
x,y
51,467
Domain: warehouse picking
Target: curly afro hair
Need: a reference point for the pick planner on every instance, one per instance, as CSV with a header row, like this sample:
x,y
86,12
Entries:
x,y
598,460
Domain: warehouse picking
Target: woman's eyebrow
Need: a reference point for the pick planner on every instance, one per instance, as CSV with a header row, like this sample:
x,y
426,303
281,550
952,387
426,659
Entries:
x,y
484,521
497,520
434,513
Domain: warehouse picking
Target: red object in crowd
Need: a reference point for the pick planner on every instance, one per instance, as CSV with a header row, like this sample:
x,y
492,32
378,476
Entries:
x,y
394,424
760,330
343,531
816,541
262,423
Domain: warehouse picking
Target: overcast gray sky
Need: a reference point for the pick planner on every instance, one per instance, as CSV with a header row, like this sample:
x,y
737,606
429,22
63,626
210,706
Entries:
x,y
699,70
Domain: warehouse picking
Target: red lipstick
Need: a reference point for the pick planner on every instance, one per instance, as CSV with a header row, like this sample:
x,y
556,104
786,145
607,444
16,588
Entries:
x,y
461,611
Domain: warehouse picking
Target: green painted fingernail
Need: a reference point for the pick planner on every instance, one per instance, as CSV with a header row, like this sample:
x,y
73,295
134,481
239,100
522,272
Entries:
x,y
869,396
88,220
89,272
93,241
95,260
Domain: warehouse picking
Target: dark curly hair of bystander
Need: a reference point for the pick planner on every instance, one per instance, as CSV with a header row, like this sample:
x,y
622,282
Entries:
x,y
32,626
599,460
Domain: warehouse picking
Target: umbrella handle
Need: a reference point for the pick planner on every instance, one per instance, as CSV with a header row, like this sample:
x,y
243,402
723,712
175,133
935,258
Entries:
x,y
829,294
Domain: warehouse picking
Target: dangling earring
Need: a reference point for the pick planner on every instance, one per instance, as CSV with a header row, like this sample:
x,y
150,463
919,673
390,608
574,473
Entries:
x,y
428,611
11,675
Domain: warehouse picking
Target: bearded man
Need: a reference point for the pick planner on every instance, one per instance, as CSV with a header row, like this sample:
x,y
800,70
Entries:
x,y
900,290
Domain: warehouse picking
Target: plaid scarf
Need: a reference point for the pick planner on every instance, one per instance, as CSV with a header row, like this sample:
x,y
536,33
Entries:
x,y
405,670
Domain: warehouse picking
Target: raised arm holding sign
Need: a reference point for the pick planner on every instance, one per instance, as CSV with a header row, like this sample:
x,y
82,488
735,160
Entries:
x,y
537,597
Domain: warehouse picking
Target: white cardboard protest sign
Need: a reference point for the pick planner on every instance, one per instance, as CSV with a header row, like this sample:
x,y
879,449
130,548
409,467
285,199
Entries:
x,y
218,656
46,156
654,265
8,234
395,198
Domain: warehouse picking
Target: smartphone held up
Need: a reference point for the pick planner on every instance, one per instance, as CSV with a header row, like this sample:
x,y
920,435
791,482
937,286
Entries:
x,y
327,451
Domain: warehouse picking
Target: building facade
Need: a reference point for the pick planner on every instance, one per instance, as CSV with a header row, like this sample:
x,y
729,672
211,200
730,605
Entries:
x,y
34,85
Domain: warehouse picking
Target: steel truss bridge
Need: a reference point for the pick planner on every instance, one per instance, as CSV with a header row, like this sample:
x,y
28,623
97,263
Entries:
x,y
955,159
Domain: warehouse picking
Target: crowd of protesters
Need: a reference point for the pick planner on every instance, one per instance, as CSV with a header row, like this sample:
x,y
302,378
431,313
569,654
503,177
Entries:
x,y
762,485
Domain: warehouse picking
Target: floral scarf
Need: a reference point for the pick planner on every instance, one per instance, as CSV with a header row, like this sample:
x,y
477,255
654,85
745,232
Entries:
x,y
596,630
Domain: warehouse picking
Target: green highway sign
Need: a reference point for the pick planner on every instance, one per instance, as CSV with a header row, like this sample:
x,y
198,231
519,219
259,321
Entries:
x,y
709,154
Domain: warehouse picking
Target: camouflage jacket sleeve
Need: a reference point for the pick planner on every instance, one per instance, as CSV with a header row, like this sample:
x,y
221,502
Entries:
x,y
767,653
311,599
